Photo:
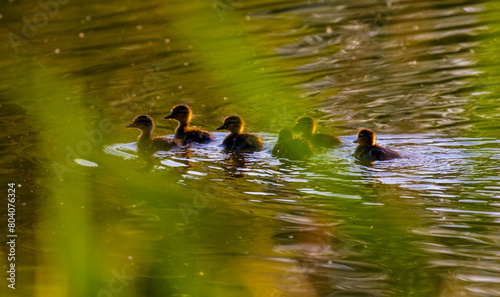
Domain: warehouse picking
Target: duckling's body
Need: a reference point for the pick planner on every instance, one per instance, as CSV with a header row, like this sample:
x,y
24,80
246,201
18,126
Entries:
x,y
192,134
146,143
290,147
368,151
236,139
242,141
323,140
185,133
307,126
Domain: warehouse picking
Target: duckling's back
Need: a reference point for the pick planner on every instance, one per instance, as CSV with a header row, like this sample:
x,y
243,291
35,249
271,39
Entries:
x,y
375,153
324,140
159,143
294,149
196,135
382,153
243,141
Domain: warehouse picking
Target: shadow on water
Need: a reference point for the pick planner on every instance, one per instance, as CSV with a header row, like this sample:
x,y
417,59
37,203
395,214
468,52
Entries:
x,y
94,218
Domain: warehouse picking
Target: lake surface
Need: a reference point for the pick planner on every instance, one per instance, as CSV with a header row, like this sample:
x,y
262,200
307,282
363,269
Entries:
x,y
95,218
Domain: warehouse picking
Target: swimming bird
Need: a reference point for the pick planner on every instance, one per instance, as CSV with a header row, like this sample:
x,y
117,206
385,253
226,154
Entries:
x,y
307,125
236,140
290,147
367,150
146,143
182,113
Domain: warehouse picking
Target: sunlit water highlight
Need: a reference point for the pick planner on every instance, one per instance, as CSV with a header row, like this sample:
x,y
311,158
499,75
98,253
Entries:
x,y
432,165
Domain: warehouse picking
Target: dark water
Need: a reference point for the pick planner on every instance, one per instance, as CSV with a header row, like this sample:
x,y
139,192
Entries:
x,y
93,218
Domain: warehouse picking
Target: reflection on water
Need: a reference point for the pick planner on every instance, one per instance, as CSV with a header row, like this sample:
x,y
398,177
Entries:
x,y
98,219
444,183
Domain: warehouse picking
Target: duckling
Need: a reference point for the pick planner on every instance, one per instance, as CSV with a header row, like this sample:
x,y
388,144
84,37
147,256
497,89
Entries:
x,y
290,147
307,125
182,114
367,150
236,140
147,144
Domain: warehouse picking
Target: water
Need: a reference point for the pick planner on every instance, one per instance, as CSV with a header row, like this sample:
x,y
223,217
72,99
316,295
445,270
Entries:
x,y
94,218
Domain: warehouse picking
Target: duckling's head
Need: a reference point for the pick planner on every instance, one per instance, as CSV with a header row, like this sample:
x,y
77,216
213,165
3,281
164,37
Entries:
x,y
233,124
142,122
305,125
181,113
366,137
285,134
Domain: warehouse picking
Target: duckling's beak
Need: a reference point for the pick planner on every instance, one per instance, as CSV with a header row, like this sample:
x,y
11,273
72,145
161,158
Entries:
x,y
356,141
170,116
131,125
223,127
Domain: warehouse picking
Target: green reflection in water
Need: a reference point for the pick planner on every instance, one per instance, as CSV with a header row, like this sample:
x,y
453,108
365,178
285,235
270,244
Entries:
x,y
233,60
56,108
